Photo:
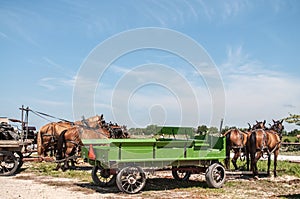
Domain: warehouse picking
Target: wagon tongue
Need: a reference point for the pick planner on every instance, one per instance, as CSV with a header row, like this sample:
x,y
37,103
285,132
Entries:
x,y
91,153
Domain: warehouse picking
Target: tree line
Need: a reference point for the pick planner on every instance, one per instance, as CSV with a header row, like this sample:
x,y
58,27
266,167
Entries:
x,y
200,130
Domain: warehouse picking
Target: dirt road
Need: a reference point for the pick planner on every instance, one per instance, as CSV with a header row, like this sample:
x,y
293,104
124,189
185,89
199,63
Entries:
x,y
28,185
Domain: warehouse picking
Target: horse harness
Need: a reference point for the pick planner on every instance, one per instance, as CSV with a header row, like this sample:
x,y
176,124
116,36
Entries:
x,y
240,148
265,148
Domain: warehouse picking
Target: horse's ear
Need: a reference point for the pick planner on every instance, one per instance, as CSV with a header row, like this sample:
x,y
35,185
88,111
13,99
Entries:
x,y
281,121
264,122
256,122
273,120
249,125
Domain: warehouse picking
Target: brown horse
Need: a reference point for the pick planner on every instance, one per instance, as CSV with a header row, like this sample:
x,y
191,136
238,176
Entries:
x,y
237,141
265,141
259,125
48,134
69,143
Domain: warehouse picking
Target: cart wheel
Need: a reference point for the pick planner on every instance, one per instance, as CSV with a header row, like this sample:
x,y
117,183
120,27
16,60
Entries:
x,y
131,179
102,177
19,157
215,175
8,163
181,175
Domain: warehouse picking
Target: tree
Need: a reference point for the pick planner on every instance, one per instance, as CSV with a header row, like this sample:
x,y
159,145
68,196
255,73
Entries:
x,y
213,130
202,129
293,118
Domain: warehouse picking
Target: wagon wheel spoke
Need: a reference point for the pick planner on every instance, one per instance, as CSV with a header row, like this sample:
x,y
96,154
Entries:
x,y
102,177
9,163
131,179
180,174
215,175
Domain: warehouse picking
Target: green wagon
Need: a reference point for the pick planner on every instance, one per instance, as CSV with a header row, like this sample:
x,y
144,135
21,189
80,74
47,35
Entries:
x,y
125,161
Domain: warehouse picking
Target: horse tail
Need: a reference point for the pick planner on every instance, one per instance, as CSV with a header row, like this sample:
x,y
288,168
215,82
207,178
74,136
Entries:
x,y
39,142
227,160
252,143
60,145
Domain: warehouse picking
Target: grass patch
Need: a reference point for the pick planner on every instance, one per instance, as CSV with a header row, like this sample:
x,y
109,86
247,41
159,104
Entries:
x,y
290,138
48,169
283,167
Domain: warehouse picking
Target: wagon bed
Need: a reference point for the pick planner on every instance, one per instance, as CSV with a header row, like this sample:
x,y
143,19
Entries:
x,y
125,160
11,156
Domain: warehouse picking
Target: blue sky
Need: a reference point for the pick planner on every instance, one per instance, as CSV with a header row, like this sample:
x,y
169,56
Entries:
x,y
254,44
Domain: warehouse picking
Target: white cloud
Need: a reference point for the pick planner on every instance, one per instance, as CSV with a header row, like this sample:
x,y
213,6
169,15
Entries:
x,y
142,94
50,102
52,83
256,92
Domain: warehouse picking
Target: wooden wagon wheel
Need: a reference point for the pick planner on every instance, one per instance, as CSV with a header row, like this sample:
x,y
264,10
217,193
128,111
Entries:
x,y
102,177
131,179
180,175
8,163
215,175
19,157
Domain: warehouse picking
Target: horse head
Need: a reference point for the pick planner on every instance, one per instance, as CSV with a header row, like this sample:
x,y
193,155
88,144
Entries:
x,y
93,122
278,127
259,125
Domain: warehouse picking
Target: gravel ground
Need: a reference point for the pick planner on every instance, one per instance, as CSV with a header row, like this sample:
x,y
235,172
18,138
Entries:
x,y
26,185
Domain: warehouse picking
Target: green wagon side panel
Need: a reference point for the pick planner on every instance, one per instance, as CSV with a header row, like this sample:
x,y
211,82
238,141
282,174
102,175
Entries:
x,y
154,152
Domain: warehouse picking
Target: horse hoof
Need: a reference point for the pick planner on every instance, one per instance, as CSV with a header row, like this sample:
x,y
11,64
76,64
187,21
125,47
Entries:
x,y
255,177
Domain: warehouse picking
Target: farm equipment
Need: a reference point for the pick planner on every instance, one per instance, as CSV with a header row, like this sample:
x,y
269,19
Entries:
x,y
125,161
15,143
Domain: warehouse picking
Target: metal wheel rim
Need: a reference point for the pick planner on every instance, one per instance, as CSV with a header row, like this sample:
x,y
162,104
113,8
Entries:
x,y
218,174
181,174
102,176
8,163
132,180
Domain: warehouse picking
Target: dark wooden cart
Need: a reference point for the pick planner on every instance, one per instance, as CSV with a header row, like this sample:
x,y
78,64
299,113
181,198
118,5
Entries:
x,y
11,158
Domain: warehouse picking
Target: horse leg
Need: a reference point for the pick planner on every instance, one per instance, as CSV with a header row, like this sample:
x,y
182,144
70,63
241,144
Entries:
x,y
58,166
66,165
275,162
227,159
269,163
247,159
73,163
258,156
252,157
237,154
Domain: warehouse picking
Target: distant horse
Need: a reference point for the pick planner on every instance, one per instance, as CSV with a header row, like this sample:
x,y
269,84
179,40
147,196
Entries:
x,y
48,134
265,141
69,143
117,131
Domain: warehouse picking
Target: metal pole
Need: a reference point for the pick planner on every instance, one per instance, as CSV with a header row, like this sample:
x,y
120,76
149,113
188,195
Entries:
x,y
22,120
220,131
27,110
